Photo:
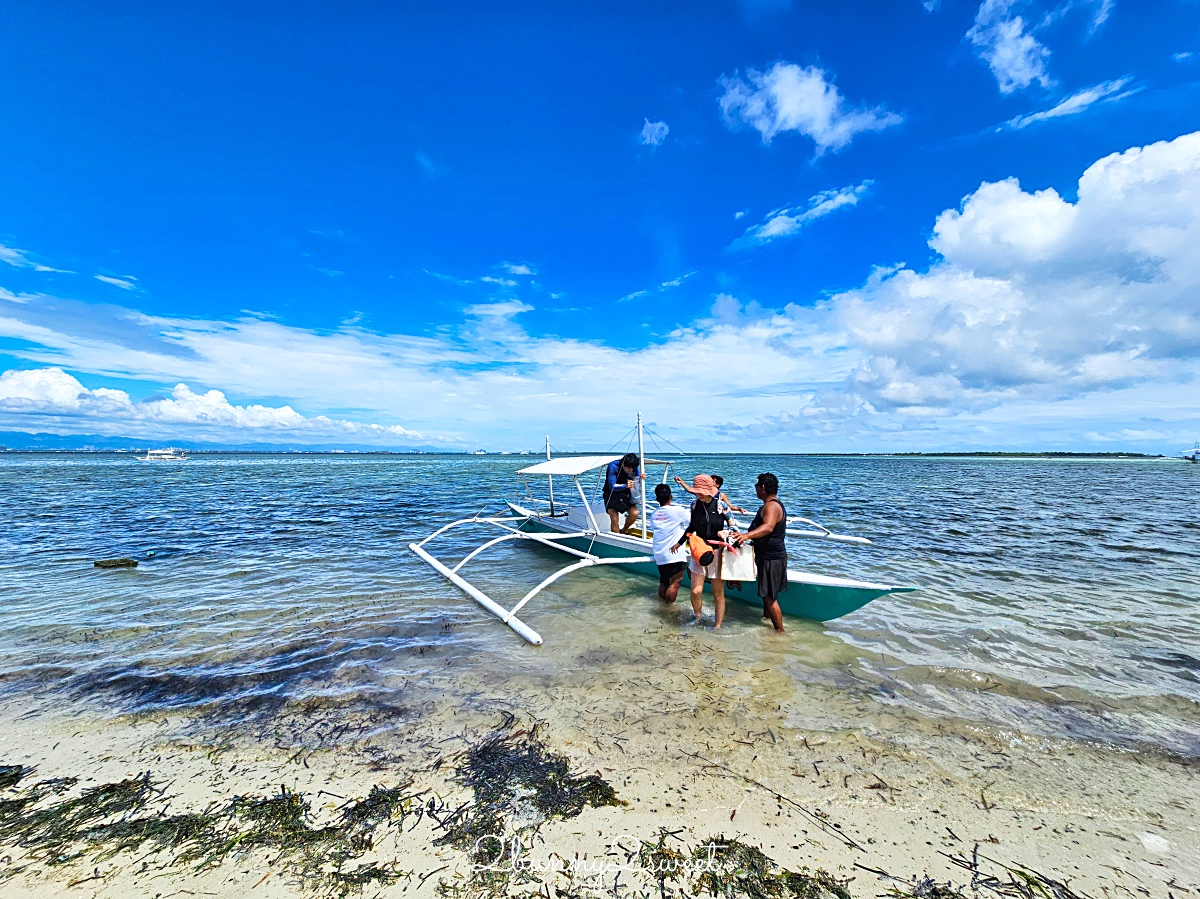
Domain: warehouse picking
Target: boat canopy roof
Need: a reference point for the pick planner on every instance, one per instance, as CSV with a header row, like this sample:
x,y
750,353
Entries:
x,y
569,465
574,465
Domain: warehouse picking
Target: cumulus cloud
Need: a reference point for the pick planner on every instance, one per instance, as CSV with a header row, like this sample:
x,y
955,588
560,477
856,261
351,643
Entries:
x,y
1080,101
1002,40
49,394
788,222
518,268
654,133
788,97
1039,297
1043,319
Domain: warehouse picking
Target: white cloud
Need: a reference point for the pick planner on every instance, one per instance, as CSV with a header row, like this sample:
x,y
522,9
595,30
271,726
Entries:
x,y
675,282
1037,297
789,221
1080,101
1103,9
49,394
788,97
518,268
1182,57
502,282
665,285
654,133
1001,39
20,259
16,297
449,279
123,283
1041,321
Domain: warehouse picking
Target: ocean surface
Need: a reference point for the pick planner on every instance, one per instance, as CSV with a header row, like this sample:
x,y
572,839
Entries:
x,y
1057,600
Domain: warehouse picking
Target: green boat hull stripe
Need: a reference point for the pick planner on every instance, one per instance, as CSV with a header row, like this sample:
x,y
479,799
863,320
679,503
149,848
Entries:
x,y
807,596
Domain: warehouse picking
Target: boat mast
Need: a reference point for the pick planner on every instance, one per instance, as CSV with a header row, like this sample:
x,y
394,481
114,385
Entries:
x,y
550,477
642,471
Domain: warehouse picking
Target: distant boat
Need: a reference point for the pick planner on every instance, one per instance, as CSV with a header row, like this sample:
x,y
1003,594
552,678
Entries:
x,y
170,454
1191,455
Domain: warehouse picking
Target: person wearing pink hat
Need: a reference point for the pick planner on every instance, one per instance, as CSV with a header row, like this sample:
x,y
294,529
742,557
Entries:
x,y
707,522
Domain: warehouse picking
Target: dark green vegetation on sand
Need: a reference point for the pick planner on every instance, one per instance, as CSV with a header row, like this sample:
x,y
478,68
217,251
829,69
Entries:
x,y
517,785
131,815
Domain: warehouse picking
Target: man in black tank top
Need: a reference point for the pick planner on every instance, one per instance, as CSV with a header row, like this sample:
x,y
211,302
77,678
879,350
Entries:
x,y
768,534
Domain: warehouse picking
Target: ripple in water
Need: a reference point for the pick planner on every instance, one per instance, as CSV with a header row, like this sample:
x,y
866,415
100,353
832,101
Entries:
x,y
1057,597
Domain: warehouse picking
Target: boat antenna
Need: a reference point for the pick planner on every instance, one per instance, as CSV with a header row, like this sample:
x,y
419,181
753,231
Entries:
x,y
642,470
550,477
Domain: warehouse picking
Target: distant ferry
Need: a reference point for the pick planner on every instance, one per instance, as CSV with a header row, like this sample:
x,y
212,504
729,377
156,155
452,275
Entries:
x,y
170,454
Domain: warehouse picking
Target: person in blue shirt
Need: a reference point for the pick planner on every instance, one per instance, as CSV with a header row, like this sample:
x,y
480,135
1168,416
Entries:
x,y
618,492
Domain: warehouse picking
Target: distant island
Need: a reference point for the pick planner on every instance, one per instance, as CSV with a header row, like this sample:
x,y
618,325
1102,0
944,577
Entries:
x,y
124,447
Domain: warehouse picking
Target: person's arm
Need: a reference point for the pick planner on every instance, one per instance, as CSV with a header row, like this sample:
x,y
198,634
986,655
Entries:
x,y
682,483
771,517
610,478
693,523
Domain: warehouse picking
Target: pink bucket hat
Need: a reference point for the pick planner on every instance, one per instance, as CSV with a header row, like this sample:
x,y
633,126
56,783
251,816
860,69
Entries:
x,y
703,483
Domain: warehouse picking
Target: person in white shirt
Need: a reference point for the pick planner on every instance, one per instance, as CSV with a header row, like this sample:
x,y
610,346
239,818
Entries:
x,y
667,525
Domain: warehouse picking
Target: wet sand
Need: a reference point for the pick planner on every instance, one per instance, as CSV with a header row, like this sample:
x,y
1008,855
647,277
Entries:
x,y
694,738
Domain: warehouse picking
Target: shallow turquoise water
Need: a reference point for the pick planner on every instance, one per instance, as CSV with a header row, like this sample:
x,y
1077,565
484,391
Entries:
x,y
1058,598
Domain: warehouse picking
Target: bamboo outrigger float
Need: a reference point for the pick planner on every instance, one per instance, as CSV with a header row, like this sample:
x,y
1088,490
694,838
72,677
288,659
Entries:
x,y
577,531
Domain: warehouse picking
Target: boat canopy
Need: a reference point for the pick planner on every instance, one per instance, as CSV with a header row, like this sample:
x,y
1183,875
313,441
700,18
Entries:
x,y
577,465
569,465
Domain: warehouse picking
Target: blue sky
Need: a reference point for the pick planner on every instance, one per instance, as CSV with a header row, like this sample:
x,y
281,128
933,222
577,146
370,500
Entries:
x,y
768,225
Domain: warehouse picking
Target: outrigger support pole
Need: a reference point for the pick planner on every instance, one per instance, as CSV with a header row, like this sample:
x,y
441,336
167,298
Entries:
x,y
509,617
479,596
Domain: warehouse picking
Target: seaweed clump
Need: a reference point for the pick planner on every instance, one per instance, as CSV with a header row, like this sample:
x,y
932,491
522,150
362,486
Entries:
x,y
11,775
1013,882
731,868
105,821
518,784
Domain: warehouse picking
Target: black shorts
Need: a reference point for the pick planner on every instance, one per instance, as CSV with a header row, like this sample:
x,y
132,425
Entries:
x,y
668,572
772,578
619,501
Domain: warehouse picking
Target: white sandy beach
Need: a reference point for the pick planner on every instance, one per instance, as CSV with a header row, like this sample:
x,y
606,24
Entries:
x,y
681,744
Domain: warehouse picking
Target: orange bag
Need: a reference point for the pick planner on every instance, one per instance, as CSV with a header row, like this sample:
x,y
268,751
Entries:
x,y
701,551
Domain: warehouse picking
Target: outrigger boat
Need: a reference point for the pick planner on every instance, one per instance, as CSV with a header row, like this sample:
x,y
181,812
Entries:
x,y
580,530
